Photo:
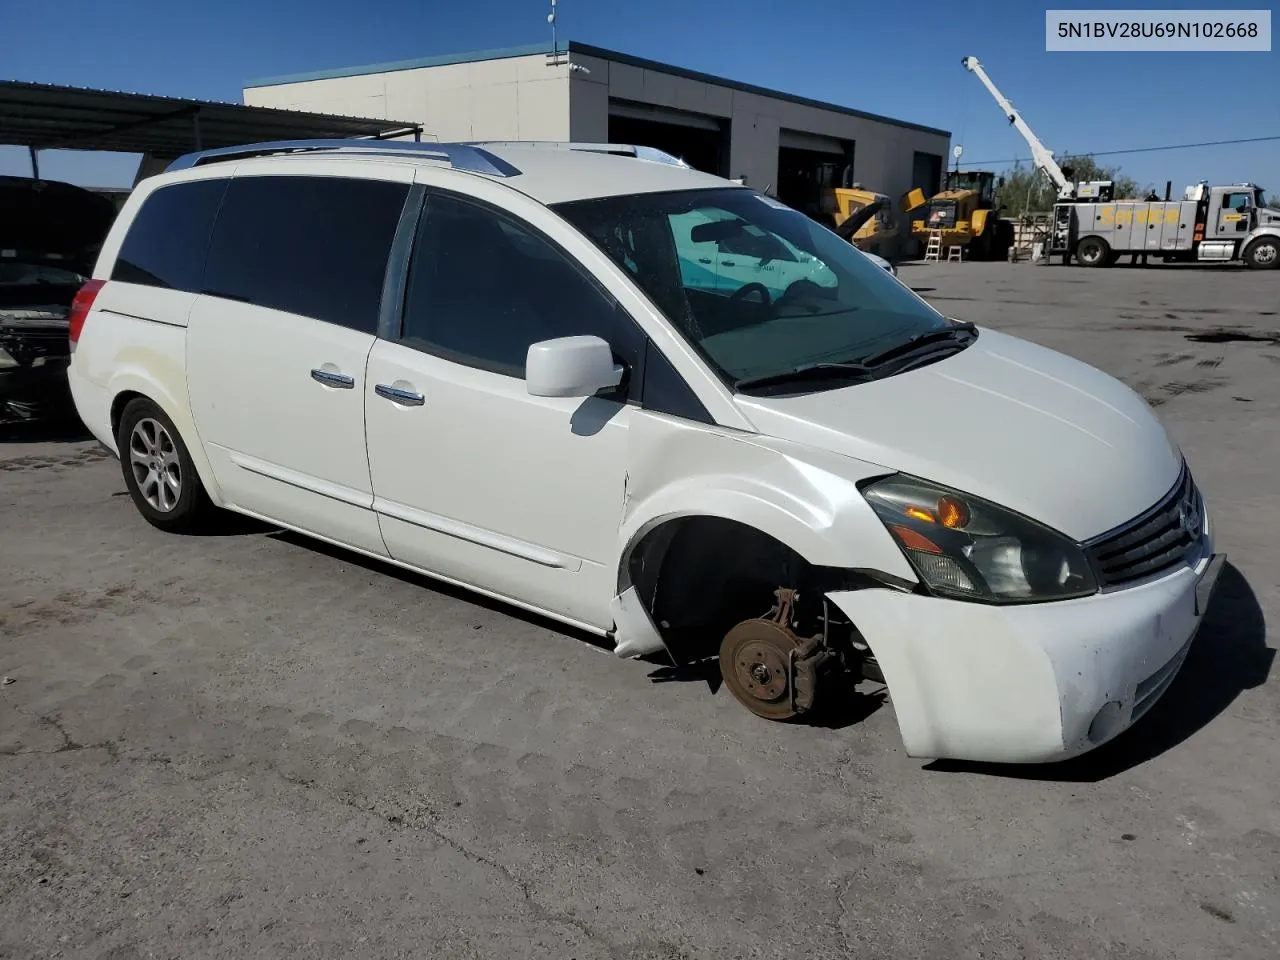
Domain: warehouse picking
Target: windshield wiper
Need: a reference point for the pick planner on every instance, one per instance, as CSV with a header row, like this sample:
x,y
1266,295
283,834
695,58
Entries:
x,y
808,371
952,332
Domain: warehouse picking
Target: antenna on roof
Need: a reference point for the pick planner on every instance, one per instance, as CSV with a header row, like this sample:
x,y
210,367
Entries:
x,y
551,19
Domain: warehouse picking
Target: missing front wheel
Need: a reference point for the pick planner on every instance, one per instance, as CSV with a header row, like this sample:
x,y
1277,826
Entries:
x,y
774,672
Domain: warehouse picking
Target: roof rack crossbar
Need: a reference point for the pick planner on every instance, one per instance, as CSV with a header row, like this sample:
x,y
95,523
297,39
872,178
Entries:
x,y
625,149
461,156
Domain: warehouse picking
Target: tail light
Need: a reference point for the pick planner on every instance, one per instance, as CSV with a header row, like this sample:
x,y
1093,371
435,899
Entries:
x,y
80,308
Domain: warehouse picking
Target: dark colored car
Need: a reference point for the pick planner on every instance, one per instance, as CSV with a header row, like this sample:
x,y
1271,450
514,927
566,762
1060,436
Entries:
x,y
50,235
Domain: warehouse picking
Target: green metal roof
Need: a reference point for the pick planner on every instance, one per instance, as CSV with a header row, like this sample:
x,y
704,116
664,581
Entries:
x,y
572,46
48,117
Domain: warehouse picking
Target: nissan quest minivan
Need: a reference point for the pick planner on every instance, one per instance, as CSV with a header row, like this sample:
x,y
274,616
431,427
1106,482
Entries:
x,y
660,407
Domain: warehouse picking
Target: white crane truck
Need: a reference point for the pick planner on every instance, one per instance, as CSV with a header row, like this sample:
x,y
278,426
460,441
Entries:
x,y
1209,224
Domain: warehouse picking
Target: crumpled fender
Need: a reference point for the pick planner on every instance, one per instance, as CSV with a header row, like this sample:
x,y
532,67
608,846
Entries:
x,y
803,497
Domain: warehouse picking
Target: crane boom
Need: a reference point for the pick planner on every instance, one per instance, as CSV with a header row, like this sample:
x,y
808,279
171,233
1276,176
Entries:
x,y
1041,154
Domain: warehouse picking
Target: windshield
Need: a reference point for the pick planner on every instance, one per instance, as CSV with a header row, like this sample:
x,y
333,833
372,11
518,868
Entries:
x,y
756,287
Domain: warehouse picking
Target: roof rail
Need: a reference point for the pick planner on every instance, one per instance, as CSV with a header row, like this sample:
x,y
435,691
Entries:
x,y
625,149
461,156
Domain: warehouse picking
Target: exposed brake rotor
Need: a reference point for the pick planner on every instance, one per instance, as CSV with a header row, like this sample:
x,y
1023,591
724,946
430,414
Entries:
x,y
769,669
756,663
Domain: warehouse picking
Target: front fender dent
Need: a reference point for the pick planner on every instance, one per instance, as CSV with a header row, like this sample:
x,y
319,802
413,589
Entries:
x,y
803,497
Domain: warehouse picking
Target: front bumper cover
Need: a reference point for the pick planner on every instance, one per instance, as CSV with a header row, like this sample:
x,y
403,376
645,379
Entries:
x,y
1029,683
35,392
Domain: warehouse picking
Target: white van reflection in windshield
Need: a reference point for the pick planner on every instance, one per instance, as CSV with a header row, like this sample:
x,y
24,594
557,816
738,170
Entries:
x,y
760,290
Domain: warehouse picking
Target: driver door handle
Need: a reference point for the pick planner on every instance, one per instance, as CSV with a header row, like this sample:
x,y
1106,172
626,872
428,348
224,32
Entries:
x,y
331,379
406,398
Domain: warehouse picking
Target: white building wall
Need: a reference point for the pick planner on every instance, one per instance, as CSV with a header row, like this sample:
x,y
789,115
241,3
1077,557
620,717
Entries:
x,y
515,98
525,98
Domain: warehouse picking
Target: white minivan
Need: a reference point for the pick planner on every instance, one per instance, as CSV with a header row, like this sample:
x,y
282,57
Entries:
x,y
491,363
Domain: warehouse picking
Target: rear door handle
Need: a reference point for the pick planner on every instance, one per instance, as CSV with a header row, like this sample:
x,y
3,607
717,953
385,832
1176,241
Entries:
x,y
406,398
331,379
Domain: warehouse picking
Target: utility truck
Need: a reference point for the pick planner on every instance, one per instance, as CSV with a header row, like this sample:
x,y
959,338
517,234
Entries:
x,y
1209,224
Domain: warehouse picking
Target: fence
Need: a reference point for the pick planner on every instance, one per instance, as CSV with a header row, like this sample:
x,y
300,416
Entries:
x,y
1030,230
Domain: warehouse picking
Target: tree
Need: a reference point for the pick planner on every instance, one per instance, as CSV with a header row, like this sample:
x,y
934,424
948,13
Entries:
x,y
1274,203
1027,190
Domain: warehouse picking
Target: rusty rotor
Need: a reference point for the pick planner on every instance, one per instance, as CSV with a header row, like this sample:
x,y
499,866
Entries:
x,y
755,661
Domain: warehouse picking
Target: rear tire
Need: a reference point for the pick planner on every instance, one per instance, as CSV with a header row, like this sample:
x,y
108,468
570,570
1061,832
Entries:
x,y
1093,252
158,471
1263,254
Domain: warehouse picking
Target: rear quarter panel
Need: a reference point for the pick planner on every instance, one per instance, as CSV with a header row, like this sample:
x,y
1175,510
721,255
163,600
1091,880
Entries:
x,y
122,350
134,339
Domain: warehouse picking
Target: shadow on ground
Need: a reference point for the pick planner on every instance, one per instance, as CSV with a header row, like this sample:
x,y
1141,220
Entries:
x,y
1230,655
424,582
842,705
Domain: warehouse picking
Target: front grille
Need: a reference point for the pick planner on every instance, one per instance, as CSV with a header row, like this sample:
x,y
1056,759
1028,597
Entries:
x,y
27,346
1155,541
942,213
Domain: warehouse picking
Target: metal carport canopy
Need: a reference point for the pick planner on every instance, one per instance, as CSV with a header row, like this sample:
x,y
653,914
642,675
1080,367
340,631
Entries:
x,y
48,117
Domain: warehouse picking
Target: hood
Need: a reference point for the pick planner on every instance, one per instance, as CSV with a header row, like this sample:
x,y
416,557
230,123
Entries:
x,y
1025,427
47,217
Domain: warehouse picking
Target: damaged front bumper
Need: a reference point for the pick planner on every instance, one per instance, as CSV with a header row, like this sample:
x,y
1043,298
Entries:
x,y
34,393
33,372
1030,683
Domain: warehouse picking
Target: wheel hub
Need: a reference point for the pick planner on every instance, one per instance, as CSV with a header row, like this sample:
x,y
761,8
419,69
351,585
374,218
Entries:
x,y
755,661
153,459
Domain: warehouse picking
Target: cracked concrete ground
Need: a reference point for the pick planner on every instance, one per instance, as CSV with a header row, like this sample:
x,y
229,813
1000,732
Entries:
x,y
248,745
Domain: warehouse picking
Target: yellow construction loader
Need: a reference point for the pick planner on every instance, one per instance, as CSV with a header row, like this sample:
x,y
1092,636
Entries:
x,y
841,203
964,214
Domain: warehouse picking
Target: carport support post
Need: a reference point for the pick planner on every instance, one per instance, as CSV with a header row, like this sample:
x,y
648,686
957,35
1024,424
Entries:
x,y
195,130
35,162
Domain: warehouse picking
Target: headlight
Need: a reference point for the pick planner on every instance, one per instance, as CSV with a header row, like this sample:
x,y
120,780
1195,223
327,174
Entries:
x,y
968,548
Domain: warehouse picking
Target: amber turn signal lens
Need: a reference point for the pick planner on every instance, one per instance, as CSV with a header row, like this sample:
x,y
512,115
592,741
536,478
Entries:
x,y
953,513
919,513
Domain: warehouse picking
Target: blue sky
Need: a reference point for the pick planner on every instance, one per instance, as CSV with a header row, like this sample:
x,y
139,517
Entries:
x,y
898,59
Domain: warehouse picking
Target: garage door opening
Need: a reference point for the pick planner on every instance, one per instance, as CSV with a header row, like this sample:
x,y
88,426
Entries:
x,y
926,172
806,177
702,142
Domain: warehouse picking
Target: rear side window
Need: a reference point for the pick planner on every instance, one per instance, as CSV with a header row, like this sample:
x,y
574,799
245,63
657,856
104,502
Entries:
x,y
315,246
168,239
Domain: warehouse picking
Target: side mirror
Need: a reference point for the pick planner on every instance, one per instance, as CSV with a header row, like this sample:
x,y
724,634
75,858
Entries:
x,y
570,367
